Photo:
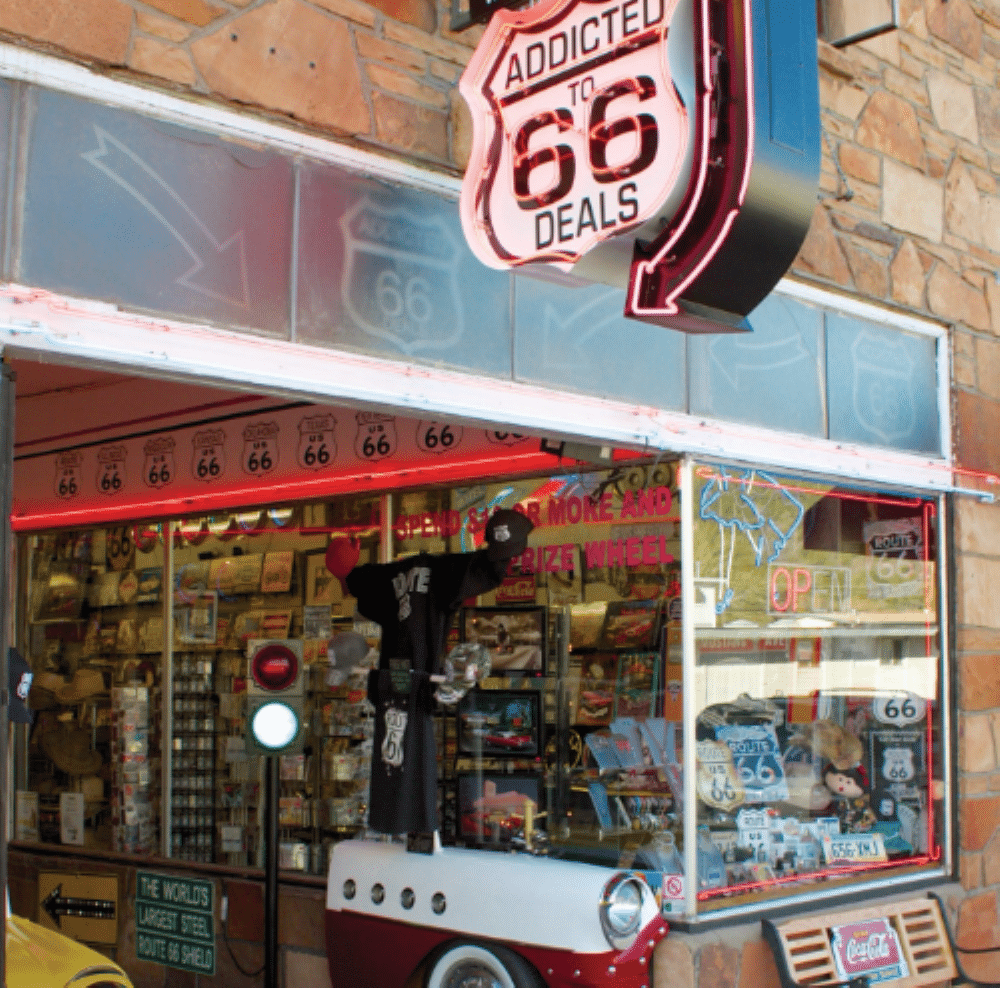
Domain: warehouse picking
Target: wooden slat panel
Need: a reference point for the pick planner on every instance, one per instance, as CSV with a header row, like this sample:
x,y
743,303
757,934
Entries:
x,y
918,924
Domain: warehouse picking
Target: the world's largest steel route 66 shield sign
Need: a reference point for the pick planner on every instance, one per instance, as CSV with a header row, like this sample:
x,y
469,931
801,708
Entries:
x,y
666,146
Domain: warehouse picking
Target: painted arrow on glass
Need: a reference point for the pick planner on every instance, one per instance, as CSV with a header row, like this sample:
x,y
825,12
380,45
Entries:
x,y
219,270
58,905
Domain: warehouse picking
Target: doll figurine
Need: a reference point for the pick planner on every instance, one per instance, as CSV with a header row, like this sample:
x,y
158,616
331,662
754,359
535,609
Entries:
x,y
849,787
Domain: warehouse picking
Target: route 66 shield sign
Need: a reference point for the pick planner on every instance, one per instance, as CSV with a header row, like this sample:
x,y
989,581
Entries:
x,y
638,142
68,474
111,469
158,469
208,457
376,437
317,443
399,280
260,448
588,130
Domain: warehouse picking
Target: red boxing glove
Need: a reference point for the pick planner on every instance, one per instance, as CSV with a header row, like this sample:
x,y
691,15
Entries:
x,y
342,556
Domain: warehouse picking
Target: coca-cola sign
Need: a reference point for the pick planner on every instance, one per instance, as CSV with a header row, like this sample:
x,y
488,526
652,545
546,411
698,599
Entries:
x,y
638,143
870,948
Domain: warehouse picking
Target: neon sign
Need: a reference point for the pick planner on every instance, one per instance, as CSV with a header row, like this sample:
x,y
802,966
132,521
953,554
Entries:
x,y
639,142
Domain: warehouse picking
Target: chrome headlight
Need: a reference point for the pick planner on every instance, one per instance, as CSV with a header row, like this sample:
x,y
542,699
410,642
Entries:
x,y
621,910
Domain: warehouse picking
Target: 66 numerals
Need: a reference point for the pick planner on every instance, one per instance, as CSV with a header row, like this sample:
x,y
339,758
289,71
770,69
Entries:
x,y
438,437
600,132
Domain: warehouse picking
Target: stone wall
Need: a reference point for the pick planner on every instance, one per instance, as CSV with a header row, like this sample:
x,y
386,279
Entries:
x,y
908,215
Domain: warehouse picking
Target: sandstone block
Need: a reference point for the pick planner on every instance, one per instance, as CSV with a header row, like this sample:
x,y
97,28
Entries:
x,y
757,967
988,363
99,29
970,871
162,27
288,57
976,448
408,127
976,744
379,50
421,14
870,273
988,118
977,530
164,60
912,202
860,164
954,105
196,12
673,964
889,126
991,216
461,131
962,209
405,85
953,298
976,584
907,274
821,253
956,23
993,300
352,10
978,821
717,966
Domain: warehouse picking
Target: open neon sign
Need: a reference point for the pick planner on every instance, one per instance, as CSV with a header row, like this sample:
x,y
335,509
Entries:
x,y
618,140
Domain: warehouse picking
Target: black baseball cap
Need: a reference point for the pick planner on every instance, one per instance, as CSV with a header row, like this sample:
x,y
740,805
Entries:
x,y
507,533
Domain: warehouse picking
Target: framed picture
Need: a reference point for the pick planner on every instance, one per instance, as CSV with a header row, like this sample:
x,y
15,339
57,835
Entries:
x,y
514,636
500,723
631,624
322,587
492,807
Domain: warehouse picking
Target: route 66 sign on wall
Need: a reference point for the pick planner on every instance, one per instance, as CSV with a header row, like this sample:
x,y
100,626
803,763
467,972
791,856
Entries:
x,y
642,142
317,442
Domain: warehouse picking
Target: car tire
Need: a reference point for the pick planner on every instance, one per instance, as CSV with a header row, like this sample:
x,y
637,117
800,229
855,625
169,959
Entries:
x,y
476,965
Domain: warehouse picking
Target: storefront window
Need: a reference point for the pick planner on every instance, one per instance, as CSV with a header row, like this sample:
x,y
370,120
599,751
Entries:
x,y
813,672
819,725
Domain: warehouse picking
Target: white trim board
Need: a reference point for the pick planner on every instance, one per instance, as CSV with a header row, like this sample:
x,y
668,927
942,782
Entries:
x,y
43,326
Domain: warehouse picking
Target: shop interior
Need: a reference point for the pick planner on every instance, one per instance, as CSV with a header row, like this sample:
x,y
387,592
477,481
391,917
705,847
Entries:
x,y
814,670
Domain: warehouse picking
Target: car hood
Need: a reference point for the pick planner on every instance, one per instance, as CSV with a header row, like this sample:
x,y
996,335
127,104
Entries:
x,y
40,958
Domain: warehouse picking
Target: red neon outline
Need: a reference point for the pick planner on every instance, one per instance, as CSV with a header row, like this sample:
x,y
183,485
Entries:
x,y
644,271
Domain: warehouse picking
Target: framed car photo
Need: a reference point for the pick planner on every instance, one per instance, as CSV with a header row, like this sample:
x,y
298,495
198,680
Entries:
x,y
500,723
492,809
514,636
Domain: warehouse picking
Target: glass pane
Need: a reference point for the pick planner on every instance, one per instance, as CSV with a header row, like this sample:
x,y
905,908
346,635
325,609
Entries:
x,y
250,585
770,377
577,338
94,638
386,270
567,747
819,727
883,386
156,216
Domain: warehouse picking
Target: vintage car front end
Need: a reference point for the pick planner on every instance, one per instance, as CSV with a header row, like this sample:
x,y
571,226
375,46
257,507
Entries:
x,y
469,918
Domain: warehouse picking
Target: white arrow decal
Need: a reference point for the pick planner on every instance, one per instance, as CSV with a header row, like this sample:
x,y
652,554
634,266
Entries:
x,y
219,270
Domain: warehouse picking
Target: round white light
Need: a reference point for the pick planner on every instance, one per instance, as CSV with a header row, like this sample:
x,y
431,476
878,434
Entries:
x,y
274,725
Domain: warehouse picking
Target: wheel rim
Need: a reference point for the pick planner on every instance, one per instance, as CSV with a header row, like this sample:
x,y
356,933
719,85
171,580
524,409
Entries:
x,y
470,974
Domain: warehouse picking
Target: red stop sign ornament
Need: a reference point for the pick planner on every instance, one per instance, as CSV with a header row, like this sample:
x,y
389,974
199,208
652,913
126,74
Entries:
x,y
618,140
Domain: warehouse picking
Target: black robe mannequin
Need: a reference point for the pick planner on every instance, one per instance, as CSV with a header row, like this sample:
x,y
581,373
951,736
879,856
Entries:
x,y
414,601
